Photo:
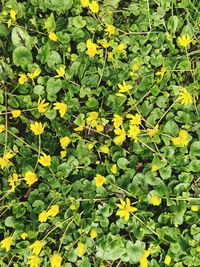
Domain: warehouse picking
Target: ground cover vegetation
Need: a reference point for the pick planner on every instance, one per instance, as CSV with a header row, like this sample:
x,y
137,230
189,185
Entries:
x,y
99,133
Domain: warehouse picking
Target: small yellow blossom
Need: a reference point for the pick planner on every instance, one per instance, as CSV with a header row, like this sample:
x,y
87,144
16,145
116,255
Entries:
x,y
194,208
104,43
117,121
99,128
85,3
161,72
91,48
13,14
133,132
5,160
110,29
6,243
185,97
9,23
99,180
114,168
24,235
104,149
124,87
36,247
61,107
152,132
198,249
134,119
34,74
121,136
53,211
80,249
143,258
22,79
37,128
16,113
63,153
45,160
90,146
13,181
52,36
154,168
56,260
121,48
125,208
154,200
30,178
64,141
41,105
34,261
167,260
2,128
79,128
60,71
110,55
94,7
182,139
184,40
93,233
43,216
92,118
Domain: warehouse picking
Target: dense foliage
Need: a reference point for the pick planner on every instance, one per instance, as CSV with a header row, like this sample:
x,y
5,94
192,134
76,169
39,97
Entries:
x,y
99,133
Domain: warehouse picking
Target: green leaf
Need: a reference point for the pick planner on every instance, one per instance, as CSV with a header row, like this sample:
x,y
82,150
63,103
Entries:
x,y
195,149
53,86
166,172
22,57
122,163
50,23
38,206
79,22
171,128
195,165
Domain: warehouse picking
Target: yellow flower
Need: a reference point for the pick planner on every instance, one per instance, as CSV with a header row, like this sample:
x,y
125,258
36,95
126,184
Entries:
x,y
161,72
13,14
23,78
94,7
125,209
124,87
121,136
99,180
92,118
135,119
6,243
198,249
154,200
143,258
63,153
114,169
16,113
30,178
110,29
93,233
91,48
45,160
13,181
184,40
2,128
61,107
24,235
90,146
182,139
34,74
5,160
104,43
117,121
41,105
85,3
43,216
53,211
36,247
194,208
60,71
121,48
9,23
167,260
133,132
185,97
110,55
56,260
99,128
53,36
79,128
34,261
104,149
153,132
37,128
154,168
64,141
80,249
